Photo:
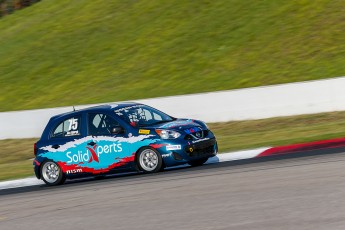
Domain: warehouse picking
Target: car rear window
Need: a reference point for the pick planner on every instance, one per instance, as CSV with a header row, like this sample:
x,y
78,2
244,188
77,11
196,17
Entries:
x,y
67,128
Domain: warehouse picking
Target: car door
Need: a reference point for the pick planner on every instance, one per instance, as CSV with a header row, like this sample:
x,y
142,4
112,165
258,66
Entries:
x,y
108,145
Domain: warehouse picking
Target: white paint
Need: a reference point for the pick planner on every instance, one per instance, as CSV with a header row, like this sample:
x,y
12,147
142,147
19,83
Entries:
x,y
173,147
243,104
239,155
29,181
77,142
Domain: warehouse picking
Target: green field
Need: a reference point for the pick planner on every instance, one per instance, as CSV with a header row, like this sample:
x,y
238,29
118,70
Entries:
x,y
16,154
63,52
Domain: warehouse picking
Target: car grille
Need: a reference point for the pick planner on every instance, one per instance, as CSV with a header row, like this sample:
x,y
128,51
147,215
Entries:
x,y
204,148
197,135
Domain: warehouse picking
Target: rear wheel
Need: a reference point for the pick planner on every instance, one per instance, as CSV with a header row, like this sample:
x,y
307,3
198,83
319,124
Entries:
x,y
149,160
52,174
197,162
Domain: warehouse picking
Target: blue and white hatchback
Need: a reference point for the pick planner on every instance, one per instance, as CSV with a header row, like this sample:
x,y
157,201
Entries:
x,y
117,137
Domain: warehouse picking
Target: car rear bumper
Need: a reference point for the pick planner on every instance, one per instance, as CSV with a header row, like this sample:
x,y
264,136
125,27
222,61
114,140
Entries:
x,y
36,165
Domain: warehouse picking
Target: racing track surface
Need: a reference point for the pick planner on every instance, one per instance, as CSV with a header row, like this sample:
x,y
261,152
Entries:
x,y
288,193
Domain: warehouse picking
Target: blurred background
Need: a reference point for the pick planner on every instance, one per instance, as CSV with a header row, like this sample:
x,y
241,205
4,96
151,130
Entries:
x,y
61,53
55,53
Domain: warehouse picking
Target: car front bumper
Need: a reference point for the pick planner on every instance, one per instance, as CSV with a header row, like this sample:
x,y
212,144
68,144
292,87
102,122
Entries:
x,y
188,151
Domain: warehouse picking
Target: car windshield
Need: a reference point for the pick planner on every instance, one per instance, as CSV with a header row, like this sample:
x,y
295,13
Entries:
x,y
142,115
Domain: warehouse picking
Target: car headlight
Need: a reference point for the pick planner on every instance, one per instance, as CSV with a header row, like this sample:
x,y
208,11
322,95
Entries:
x,y
167,134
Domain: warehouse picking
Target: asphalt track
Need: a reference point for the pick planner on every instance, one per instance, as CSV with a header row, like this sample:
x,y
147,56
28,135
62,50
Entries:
x,y
286,192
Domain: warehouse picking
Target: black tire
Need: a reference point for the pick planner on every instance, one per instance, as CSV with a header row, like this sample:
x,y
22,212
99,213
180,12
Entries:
x,y
149,160
198,162
52,174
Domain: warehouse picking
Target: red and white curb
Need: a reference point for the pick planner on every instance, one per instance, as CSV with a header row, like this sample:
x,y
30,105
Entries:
x,y
232,156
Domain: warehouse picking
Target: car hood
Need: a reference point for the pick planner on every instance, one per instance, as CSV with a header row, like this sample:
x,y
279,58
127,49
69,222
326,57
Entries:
x,y
179,124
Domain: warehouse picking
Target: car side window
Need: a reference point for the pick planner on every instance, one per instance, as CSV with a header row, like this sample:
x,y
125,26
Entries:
x,y
101,124
157,117
67,128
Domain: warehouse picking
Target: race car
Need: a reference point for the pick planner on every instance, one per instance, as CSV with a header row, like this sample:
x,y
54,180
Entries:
x,y
118,137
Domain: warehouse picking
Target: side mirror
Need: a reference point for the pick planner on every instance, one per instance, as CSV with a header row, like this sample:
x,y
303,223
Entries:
x,y
117,130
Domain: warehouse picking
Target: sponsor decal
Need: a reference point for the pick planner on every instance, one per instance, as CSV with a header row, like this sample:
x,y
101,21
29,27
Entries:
x,y
191,149
166,155
74,171
93,154
204,139
173,147
192,130
123,161
144,131
118,111
75,143
108,152
72,133
73,127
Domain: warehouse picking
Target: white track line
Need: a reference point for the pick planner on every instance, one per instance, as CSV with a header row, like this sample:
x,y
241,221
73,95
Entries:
x,y
29,181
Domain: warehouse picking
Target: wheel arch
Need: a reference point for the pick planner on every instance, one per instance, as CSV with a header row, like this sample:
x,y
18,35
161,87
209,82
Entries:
x,y
63,174
38,168
146,147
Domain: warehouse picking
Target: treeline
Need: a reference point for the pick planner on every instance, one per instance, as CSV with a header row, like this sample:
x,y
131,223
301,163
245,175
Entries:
x,y
9,6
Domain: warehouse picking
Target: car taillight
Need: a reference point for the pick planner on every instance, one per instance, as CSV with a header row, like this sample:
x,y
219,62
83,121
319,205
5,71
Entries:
x,y
35,149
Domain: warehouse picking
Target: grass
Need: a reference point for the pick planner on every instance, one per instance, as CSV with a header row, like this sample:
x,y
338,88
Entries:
x,y
62,52
234,136
15,156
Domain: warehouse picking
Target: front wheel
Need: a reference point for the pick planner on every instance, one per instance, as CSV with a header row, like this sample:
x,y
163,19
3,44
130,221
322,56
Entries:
x,y
197,162
52,173
149,160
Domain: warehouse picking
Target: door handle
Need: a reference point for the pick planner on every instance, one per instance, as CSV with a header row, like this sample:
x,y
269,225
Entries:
x,y
91,143
55,146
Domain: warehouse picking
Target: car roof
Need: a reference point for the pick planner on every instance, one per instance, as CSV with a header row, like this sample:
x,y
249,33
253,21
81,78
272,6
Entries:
x,y
98,108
